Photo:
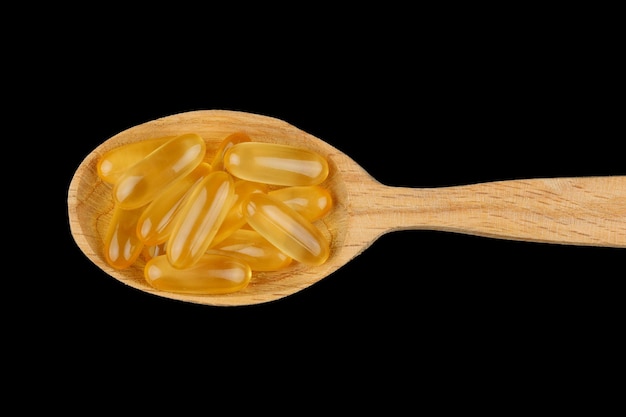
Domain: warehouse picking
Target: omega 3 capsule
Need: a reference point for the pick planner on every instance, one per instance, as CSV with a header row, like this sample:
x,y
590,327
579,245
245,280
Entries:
x,y
312,201
121,244
275,164
212,274
114,162
286,229
155,223
140,183
253,248
199,218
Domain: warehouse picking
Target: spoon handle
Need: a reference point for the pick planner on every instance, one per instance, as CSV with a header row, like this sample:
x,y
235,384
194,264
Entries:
x,y
577,210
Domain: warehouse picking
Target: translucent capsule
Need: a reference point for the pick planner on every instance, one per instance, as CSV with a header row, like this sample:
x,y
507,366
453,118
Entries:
x,y
141,182
151,251
275,164
218,159
121,244
235,218
212,274
114,162
155,223
312,201
286,229
199,219
253,248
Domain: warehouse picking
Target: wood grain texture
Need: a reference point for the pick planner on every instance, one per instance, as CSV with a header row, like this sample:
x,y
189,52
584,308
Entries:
x,y
578,211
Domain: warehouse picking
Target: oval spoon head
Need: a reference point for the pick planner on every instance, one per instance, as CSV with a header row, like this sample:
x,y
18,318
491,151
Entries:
x,y
90,203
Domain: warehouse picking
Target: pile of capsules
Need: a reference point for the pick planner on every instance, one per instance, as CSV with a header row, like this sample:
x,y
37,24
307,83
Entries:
x,y
205,219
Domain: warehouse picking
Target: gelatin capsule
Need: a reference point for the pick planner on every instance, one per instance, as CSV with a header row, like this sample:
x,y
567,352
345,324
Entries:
x,y
286,229
152,251
155,223
253,248
312,201
199,219
235,218
140,183
212,274
121,244
114,162
275,164
218,159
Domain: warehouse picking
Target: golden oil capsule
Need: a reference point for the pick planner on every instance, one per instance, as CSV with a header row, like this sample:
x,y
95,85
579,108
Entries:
x,y
218,159
141,182
114,162
275,164
199,219
152,251
312,201
212,274
253,248
235,218
286,229
121,244
155,223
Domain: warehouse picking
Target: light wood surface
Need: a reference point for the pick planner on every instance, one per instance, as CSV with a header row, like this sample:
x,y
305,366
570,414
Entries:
x,y
574,211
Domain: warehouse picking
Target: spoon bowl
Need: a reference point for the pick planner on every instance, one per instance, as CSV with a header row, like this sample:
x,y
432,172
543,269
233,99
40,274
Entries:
x,y
90,204
579,211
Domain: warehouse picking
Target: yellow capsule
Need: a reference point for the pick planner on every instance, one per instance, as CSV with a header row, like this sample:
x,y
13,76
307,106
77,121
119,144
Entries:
x,y
235,219
199,219
212,274
114,162
150,252
312,201
140,183
121,244
286,229
218,159
275,164
155,223
253,248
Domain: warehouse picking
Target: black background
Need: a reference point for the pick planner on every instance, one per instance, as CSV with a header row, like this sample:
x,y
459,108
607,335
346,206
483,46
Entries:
x,y
415,107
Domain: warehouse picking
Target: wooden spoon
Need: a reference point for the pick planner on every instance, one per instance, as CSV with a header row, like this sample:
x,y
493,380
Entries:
x,y
574,211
